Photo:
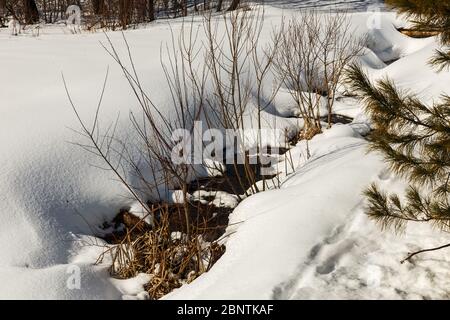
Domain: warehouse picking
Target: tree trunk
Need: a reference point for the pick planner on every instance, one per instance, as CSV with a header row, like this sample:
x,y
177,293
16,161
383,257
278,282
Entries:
x,y
234,5
184,8
30,11
2,12
125,13
219,5
151,10
98,6
195,6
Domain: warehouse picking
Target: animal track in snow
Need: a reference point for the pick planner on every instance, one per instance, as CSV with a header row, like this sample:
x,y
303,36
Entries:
x,y
323,259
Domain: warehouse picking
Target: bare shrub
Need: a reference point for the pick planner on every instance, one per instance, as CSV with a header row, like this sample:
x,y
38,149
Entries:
x,y
226,77
314,50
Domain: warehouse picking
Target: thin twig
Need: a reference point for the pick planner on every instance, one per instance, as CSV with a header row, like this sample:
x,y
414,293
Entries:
x,y
411,255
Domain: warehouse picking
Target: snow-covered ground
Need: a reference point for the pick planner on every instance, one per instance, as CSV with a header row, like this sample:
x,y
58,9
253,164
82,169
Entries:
x,y
310,239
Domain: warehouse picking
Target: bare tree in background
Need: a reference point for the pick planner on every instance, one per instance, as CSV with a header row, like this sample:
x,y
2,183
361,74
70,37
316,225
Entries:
x,y
98,6
26,11
219,5
31,13
234,5
109,14
184,10
151,10
2,12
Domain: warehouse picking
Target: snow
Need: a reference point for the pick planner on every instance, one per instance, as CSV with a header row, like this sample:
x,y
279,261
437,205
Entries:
x,y
49,188
220,198
309,239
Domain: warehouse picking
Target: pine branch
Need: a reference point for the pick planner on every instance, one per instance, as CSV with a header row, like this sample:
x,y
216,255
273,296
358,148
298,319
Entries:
x,y
390,212
441,60
414,137
427,15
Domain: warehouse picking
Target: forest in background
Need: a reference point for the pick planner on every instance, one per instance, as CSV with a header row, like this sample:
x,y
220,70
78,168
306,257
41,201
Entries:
x,y
111,14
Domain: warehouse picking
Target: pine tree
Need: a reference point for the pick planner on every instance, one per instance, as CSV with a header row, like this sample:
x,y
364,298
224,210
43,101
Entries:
x,y
413,137
426,14
415,140
429,15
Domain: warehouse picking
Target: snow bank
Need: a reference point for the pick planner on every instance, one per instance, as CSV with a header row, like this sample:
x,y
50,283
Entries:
x,y
278,229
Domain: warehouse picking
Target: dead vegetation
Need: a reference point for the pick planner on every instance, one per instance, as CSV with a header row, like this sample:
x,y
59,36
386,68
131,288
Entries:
x,y
171,258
